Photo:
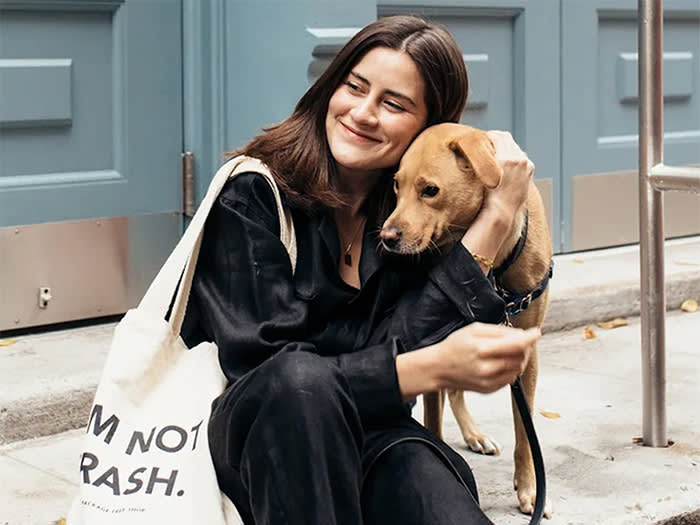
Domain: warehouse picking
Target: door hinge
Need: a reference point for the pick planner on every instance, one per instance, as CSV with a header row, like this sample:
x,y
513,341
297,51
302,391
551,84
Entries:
x,y
188,204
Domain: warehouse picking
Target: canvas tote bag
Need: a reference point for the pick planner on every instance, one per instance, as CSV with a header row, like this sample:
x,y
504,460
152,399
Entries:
x,y
145,455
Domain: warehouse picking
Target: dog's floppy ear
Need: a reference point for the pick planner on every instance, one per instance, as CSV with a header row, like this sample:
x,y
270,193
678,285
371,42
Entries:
x,y
474,149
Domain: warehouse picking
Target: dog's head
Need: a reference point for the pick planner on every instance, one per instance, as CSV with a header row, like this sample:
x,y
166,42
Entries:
x,y
440,187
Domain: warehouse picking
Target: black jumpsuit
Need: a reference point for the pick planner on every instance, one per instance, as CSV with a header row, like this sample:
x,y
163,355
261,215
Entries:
x,y
312,428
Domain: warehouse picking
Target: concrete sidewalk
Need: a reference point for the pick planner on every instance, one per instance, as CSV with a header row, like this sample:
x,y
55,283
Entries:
x,y
595,471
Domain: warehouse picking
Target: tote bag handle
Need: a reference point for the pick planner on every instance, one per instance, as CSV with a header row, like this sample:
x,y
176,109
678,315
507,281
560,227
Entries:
x,y
183,259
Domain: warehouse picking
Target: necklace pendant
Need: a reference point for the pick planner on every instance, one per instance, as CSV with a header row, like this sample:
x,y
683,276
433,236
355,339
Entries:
x,y
348,259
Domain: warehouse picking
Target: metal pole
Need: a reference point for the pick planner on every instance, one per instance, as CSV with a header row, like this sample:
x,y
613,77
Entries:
x,y
653,301
668,178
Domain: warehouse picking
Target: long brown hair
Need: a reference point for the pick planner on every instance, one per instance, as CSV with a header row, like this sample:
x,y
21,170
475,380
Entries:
x,y
296,149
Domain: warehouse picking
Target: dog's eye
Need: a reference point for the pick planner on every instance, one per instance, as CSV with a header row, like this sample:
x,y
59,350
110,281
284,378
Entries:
x,y
430,191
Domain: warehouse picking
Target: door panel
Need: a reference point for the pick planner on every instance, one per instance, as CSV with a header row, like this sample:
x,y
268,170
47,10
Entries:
x,y
90,144
96,131
600,119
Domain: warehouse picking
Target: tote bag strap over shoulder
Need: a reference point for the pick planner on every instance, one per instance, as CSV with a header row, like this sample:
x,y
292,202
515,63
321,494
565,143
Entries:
x,y
183,259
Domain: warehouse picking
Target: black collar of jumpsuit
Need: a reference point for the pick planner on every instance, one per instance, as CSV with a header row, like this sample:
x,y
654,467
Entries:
x,y
371,258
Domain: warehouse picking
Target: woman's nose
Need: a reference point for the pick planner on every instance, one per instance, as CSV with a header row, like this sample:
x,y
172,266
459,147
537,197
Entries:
x,y
365,113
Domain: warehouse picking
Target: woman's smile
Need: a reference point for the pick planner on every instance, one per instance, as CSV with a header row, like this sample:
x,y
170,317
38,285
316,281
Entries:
x,y
358,135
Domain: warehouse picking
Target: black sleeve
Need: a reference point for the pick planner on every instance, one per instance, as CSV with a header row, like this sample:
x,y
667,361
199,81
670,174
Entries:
x,y
455,294
243,299
435,295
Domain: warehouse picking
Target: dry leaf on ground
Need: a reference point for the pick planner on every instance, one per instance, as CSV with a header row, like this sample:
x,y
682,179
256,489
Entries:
x,y
62,521
689,305
8,342
550,415
588,333
615,323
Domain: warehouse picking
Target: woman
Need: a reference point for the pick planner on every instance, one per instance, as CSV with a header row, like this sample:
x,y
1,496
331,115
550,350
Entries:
x,y
314,427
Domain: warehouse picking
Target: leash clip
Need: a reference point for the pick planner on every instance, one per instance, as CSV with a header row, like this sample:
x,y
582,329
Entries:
x,y
525,302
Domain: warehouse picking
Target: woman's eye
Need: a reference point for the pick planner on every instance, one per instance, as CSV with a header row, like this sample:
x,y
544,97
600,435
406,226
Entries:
x,y
393,105
352,86
430,191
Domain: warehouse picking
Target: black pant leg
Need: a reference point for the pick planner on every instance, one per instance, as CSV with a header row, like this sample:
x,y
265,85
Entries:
x,y
410,484
286,443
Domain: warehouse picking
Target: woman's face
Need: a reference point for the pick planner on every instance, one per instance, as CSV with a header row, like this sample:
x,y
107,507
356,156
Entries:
x,y
376,112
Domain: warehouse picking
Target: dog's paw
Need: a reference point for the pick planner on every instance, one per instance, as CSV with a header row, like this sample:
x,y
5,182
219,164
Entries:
x,y
526,503
483,444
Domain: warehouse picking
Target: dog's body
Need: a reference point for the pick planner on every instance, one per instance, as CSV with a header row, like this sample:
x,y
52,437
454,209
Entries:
x,y
459,161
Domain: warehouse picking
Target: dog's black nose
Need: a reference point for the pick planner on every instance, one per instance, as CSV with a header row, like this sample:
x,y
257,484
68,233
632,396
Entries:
x,y
391,237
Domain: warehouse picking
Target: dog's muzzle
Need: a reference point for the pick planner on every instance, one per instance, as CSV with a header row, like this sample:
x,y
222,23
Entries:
x,y
391,238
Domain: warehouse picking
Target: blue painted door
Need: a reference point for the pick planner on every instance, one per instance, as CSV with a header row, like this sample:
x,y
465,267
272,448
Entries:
x,y
90,109
90,154
600,119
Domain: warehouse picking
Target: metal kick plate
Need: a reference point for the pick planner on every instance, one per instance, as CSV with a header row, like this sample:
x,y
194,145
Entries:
x,y
93,267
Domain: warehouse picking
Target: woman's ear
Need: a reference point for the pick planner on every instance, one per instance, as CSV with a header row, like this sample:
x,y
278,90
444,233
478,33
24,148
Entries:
x,y
475,151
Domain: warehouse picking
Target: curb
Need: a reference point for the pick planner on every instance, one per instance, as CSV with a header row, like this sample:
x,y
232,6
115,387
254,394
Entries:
x,y
601,303
44,416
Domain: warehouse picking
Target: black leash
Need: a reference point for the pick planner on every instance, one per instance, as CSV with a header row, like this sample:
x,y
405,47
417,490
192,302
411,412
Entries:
x,y
540,480
516,304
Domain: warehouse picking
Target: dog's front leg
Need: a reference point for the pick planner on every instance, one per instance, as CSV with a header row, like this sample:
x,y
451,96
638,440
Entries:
x,y
473,437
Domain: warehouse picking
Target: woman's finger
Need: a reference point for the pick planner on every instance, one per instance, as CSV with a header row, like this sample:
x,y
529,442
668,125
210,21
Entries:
x,y
497,367
509,344
506,147
497,330
497,381
488,330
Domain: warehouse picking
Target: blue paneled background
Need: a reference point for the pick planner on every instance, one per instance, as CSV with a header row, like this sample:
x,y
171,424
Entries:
x,y
135,82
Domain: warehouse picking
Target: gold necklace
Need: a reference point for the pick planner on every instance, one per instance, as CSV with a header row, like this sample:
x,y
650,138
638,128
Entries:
x,y
347,258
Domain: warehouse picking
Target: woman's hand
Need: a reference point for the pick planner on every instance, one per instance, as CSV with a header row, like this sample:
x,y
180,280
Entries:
x,y
478,357
488,231
485,357
517,172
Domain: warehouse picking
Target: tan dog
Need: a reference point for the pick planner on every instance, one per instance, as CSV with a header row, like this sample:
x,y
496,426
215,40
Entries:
x,y
440,187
